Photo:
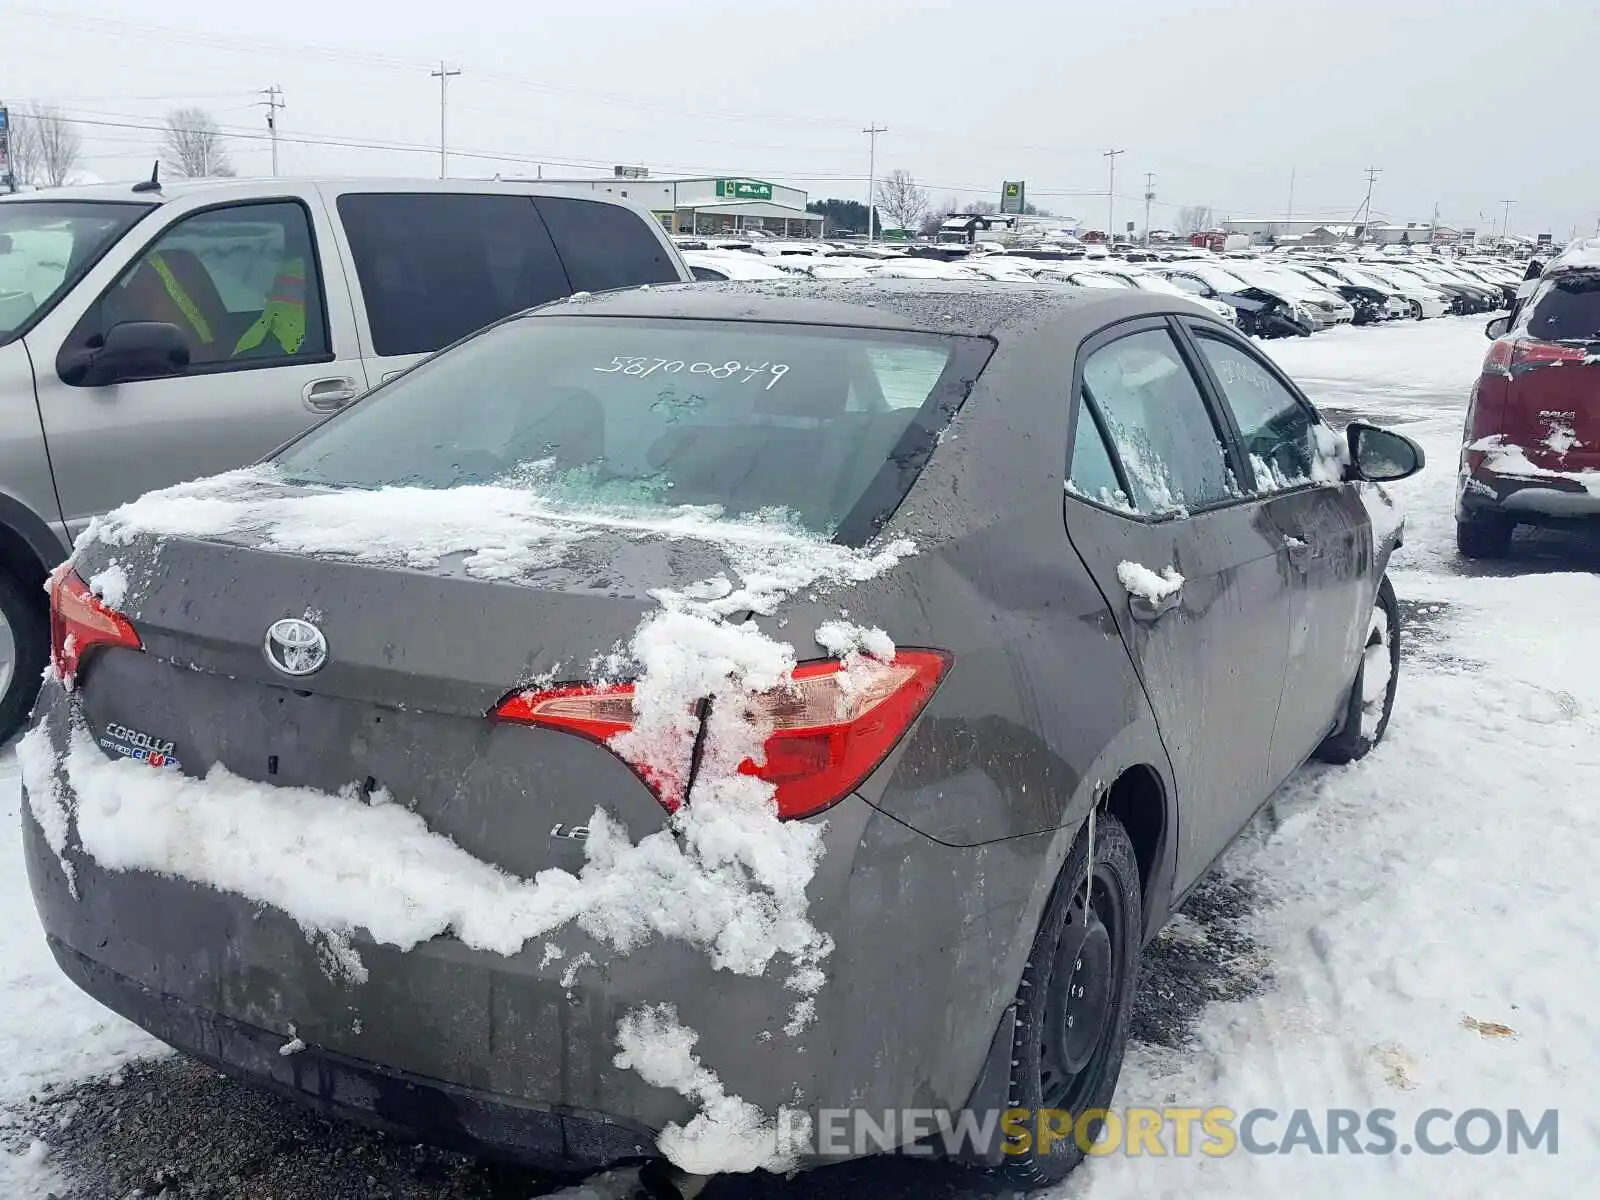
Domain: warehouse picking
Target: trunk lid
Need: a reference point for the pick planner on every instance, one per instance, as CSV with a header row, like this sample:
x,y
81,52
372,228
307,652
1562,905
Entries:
x,y
416,660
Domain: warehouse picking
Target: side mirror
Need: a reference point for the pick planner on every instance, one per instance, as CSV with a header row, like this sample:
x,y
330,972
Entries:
x,y
1497,328
130,351
1381,456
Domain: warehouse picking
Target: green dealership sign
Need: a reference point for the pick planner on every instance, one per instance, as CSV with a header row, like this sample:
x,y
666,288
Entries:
x,y
744,189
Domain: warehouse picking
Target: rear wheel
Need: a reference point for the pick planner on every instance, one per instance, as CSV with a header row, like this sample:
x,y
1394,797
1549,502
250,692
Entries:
x,y
1074,1005
1366,718
24,649
1484,537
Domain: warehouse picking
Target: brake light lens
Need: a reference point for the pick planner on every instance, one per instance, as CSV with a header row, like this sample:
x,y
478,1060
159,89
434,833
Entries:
x,y
79,621
1507,353
1498,360
829,730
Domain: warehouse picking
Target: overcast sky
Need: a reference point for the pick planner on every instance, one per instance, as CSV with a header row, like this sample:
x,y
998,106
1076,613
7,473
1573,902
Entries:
x,y
1461,104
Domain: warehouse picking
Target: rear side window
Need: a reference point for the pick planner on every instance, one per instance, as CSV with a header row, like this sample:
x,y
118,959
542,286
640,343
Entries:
x,y
436,267
605,246
1564,308
823,427
1093,474
1159,424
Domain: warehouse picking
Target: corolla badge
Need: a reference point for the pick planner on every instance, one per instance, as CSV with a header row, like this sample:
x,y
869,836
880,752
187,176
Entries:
x,y
295,647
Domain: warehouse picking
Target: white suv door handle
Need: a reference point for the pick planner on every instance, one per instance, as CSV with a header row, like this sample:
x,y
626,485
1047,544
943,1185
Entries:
x,y
330,395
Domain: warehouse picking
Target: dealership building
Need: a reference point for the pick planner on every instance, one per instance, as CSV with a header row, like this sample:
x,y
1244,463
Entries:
x,y
712,205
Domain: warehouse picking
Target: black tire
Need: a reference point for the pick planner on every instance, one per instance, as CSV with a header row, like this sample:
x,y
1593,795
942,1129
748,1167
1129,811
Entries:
x,y
1366,719
1485,537
1084,964
25,612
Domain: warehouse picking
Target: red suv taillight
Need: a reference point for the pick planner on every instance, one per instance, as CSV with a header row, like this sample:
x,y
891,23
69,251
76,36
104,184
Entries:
x,y
1508,353
80,620
830,729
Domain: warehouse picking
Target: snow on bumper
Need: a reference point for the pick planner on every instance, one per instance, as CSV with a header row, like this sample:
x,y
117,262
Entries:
x,y
518,1051
1498,476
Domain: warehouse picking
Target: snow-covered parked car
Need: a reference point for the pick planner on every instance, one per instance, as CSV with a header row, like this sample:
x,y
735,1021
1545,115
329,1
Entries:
x,y
1531,449
719,266
667,715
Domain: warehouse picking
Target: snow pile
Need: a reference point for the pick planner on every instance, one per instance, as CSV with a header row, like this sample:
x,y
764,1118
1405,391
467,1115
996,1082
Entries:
x,y
729,1133
1144,583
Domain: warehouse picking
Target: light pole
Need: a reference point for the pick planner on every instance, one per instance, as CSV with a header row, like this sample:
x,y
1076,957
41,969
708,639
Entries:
x,y
1111,194
443,75
872,131
1149,195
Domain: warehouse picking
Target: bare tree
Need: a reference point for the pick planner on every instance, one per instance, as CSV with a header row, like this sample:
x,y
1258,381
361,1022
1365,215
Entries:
x,y
192,145
937,217
45,146
902,201
981,207
1194,218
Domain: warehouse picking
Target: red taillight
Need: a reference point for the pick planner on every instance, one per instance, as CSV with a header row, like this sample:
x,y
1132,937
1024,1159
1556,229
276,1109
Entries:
x,y
79,620
1498,360
1507,354
829,730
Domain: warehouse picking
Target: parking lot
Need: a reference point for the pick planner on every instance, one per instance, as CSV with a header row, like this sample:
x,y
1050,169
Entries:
x,y
1411,932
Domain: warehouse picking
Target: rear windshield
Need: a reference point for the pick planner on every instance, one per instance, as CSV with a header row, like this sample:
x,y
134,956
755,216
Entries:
x,y
1565,308
45,245
824,427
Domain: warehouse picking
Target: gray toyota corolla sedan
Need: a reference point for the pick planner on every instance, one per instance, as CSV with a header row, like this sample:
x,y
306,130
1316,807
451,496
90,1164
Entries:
x,y
748,724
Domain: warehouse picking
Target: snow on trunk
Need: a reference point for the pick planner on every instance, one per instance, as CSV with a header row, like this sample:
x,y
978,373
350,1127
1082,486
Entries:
x,y
725,875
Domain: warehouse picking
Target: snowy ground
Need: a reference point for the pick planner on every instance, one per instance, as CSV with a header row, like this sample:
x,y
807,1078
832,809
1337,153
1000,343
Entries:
x,y
1414,932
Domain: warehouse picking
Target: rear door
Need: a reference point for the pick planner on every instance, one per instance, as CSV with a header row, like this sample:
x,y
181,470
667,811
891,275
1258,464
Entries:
x,y
1319,530
1552,408
212,271
1154,488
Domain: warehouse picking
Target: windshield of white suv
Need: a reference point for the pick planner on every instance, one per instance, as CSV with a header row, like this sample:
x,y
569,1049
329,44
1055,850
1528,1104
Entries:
x,y
45,245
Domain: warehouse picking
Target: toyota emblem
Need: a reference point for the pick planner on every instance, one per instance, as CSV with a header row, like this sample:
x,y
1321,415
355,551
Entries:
x,y
296,647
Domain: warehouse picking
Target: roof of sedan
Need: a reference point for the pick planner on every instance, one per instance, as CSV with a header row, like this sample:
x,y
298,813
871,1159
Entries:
x,y
977,307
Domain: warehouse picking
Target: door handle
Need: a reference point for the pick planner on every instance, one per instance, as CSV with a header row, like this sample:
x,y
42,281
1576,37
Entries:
x,y
1302,553
329,395
1148,612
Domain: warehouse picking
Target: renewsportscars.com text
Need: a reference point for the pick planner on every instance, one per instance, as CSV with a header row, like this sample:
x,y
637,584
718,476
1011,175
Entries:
x,y
1174,1131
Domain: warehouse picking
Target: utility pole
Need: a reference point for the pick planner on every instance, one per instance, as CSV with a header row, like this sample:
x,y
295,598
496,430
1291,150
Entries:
x,y
444,75
1111,193
872,131
1365,211
1149,195
1288,213
272,103
1505,223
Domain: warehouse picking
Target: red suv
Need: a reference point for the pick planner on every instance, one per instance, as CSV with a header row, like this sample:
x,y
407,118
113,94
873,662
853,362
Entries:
x,y
1531,450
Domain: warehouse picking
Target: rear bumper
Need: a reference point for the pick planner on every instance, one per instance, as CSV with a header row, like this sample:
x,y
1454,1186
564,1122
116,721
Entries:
x,y
1543,500
515,1054
394,1101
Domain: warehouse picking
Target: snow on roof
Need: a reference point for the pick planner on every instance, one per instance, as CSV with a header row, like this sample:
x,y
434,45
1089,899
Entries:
x,y
1583,253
